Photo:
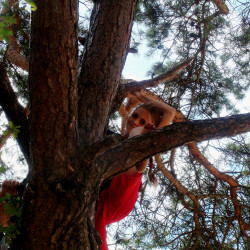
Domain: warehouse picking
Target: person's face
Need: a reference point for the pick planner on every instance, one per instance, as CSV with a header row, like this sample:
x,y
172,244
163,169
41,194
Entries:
x,y
138,118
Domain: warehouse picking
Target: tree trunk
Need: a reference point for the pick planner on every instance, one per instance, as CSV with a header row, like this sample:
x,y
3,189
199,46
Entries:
x,y
56,210
53,79
59,203
68,114
58,219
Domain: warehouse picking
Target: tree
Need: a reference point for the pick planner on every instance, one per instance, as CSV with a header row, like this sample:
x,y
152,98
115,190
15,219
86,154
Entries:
x,y
63,137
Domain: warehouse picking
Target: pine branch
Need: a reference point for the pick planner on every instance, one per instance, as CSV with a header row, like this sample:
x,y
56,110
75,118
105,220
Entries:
x,y
132,86
222,176
170,74
175,182
129,152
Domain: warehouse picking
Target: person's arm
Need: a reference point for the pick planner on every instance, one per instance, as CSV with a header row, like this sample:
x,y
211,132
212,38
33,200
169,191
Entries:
x,y
168,111
141,166
166,119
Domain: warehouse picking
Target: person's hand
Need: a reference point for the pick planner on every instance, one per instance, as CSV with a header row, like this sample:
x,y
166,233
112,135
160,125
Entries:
x,y
9,186
142,130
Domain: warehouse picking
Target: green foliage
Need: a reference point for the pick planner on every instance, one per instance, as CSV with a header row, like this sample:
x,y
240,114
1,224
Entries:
x,y
2,169
32,4
12,207
179,30
7,19
14,129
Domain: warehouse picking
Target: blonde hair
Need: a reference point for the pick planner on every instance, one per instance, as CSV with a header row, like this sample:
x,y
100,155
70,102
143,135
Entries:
x,y
151,176
155,112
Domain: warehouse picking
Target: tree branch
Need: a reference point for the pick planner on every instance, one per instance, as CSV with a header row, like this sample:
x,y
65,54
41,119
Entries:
x,y
14,111
227,178
170,74
14,56
129,152
175,182
125,89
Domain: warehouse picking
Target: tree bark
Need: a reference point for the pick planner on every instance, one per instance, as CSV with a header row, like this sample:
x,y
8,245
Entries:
x,y
102,64
52,206
53,80
121,157
58,218
69,157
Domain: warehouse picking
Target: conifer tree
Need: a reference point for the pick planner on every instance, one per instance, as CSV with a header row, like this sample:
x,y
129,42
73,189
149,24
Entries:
x,y
61,86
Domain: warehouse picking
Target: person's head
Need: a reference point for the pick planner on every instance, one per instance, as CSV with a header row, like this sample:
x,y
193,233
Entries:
x,y
144,113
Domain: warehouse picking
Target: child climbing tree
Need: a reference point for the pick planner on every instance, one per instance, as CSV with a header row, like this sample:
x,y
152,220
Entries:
x,y
70,98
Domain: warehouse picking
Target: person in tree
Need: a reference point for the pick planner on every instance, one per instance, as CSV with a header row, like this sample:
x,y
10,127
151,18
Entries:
x,y
118,200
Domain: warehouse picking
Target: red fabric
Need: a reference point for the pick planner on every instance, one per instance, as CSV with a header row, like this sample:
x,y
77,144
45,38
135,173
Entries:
x,y
116,202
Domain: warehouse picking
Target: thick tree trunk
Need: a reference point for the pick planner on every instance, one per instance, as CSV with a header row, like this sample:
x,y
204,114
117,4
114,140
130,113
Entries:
x,y
58,219
63,187
56,212
64,184
53,81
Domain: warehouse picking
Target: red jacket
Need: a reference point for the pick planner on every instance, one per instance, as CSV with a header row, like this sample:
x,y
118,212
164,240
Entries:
x,y
116,202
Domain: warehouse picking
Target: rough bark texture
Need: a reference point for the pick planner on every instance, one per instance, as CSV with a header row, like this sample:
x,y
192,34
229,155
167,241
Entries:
x,y
53,79
59,201
58,218
106,50
69,155
167,138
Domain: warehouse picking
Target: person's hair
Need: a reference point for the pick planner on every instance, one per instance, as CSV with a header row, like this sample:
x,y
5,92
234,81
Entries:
x,y
156,114
154,111
151,176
